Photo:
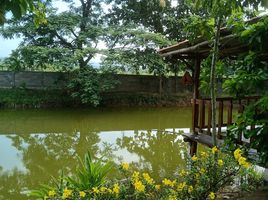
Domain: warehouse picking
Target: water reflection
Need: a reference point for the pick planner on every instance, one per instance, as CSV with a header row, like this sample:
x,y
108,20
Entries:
x,y
159,152
31,157
45,155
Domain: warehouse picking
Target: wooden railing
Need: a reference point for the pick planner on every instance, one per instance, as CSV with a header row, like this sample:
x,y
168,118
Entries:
x,y
226,107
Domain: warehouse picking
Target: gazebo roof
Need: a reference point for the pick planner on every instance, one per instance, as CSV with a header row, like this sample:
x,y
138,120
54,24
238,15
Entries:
x,y
230,45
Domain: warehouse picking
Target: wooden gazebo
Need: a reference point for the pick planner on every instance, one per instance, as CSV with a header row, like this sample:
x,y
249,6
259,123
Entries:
x,y
230,46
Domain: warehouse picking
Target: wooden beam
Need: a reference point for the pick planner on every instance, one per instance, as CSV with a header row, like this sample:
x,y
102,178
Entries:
x,y
201,138
196,48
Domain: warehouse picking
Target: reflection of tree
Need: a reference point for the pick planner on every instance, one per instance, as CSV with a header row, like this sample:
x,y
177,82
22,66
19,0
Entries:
x,y
45,155
160,150
11,183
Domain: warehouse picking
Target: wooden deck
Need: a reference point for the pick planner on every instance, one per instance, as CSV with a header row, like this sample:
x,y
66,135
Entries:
x,y
227,108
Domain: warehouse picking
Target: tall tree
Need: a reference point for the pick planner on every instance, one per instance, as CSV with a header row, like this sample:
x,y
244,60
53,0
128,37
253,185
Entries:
x,y
69,38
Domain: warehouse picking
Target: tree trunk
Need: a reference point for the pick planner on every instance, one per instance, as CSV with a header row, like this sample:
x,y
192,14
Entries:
x,y
213,87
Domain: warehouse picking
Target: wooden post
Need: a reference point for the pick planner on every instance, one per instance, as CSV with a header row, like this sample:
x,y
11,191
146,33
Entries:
x,y
193,145
220,119
202,115
209,117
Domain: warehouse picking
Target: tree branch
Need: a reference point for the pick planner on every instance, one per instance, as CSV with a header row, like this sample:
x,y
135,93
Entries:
x,y
63,41
72,31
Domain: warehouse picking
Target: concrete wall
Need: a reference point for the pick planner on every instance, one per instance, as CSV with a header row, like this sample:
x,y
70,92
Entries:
x,y
58,80
33,80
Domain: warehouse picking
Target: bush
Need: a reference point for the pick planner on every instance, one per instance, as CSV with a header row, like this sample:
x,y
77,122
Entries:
x,y
87,85
208,172
254,115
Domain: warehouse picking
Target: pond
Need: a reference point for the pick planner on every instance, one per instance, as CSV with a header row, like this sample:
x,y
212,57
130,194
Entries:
x,y
38,144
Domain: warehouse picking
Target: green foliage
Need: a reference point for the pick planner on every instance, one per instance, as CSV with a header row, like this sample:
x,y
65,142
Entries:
x,y
68,38
249,70
250,76
142,28
209,172
256,114
88,84
20,8
255,35
21,97
38,58
90,174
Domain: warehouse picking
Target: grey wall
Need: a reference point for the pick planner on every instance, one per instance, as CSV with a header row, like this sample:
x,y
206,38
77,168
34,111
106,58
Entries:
x,y
58,80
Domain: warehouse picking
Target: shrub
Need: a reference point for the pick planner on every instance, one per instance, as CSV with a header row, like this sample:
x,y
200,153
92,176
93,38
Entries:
x,y
87,85
208,172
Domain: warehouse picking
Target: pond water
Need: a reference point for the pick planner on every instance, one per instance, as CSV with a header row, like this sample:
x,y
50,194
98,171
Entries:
x,y
38,144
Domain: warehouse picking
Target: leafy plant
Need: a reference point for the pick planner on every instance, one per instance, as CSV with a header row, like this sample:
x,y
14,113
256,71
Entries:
x,y
208,172
91,174
257,115
87,85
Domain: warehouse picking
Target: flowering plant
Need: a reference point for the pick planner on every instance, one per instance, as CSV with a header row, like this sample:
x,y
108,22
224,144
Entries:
x,y
207,173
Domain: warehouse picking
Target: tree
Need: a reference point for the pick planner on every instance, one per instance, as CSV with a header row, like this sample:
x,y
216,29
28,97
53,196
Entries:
x,y
20,8
69,38
148,26
251,70
218,11
68,41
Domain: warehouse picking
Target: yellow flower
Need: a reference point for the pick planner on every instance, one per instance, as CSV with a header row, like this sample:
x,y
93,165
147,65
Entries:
x,y
246,165
220,162
168,182
211,195
243,162
95,190
139,186
125,166
147,178
204,154
82,194
51,193
202,171
135,176
214,150
237,153
66,193
181,186
183,172
172,198
194,158
116,189
190,189
157,187
103,189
